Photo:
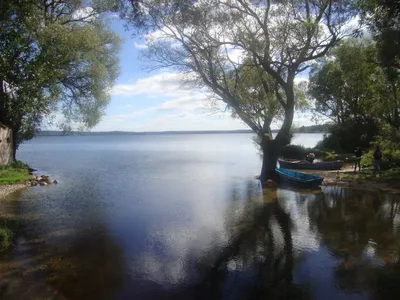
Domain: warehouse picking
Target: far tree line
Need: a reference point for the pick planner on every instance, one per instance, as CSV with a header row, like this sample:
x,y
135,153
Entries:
x,y
247,54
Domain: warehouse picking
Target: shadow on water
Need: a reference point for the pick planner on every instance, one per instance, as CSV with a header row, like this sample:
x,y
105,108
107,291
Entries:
x,y
264,257
258,260
273,244
362,230
80,261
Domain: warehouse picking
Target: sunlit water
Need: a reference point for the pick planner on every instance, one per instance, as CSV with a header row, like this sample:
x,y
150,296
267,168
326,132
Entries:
x,y
182,217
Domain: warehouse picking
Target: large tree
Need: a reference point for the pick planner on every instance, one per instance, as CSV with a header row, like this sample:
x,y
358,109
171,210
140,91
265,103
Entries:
x,y
57,56
353,91
383,20
280,39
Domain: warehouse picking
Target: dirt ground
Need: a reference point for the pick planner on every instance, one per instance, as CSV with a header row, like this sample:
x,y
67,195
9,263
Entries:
x,y
8,189
344,178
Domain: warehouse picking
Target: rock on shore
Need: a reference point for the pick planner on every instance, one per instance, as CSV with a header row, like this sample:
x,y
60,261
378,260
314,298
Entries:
x,y
41,180
35,180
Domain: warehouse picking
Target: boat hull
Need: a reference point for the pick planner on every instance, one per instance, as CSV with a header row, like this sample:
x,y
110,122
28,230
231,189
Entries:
x,y
299,179
336,165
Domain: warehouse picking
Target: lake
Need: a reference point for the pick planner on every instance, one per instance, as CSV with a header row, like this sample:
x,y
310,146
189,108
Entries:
x,y
182,217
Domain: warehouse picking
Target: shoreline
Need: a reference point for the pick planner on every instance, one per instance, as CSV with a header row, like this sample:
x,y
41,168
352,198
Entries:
x,y
8,189
346,178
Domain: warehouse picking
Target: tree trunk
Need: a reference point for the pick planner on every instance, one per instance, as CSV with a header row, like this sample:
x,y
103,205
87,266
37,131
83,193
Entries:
x,y
270,158
14,143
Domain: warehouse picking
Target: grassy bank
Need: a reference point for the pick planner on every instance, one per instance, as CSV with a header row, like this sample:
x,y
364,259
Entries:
x,y
14,173
390,177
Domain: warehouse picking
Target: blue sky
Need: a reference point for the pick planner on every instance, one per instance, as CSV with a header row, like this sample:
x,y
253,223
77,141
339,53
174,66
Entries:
x,y
156,101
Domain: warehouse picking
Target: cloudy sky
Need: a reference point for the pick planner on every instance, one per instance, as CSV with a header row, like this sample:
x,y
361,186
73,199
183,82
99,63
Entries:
x,y
156,101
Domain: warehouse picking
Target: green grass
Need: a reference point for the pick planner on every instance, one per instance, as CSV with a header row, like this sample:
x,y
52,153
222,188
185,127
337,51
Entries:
x,y
6,237
391,177
14,173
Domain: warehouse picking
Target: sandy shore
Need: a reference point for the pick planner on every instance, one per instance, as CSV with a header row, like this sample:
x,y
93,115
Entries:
x,y
8,189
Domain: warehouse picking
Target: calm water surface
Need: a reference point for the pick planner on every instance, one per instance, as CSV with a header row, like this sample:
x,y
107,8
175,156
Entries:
x,y
181,217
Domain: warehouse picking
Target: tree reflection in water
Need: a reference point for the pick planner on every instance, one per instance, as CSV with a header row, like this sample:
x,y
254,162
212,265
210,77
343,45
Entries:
x,y
261,260
258,261
362,230
271,240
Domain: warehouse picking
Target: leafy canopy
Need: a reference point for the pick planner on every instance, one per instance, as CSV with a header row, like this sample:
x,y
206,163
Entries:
x,y
245,53
352,89
383,20
59,56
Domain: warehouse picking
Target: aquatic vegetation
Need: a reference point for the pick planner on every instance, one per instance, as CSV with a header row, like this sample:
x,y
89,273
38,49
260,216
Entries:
x,y
6,237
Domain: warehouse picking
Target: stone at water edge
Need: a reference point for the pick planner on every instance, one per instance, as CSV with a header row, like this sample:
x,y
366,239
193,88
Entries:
x,y
49,180
38,178
42,183
55,181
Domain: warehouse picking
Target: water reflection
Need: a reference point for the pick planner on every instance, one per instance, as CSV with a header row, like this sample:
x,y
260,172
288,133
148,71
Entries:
x,y
81,260
362,231
277,241
258,260
257,244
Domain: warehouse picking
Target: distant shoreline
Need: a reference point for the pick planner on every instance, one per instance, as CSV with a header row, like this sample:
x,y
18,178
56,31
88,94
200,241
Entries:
x,y
321,129
156,133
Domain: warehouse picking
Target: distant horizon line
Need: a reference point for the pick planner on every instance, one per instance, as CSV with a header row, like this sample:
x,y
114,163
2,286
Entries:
x,y
141,132
59,132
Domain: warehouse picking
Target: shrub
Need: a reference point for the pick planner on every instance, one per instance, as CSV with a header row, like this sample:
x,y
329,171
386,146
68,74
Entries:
x,y
19,165
390,159
389,141
346,137
295,151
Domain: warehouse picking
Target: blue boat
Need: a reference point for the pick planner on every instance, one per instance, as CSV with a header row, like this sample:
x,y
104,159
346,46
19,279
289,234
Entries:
x,y
305,165
299,179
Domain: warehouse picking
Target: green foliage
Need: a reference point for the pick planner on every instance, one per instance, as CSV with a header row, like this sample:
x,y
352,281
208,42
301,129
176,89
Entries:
x,y
354,92
330,155
255,94
58,57
383,18
6,237
388,140
13,174
346,137
295,151
346,86
19,165
314,128
390,159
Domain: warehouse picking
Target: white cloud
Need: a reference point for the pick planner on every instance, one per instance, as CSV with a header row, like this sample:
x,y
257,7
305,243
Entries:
x,y
126,106
84,13
193,121
178,120
140,46
194,102
180,102
166,83
185,108
301,79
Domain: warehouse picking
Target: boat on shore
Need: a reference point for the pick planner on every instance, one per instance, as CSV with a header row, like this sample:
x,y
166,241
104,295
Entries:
x,y
299,179
305,165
